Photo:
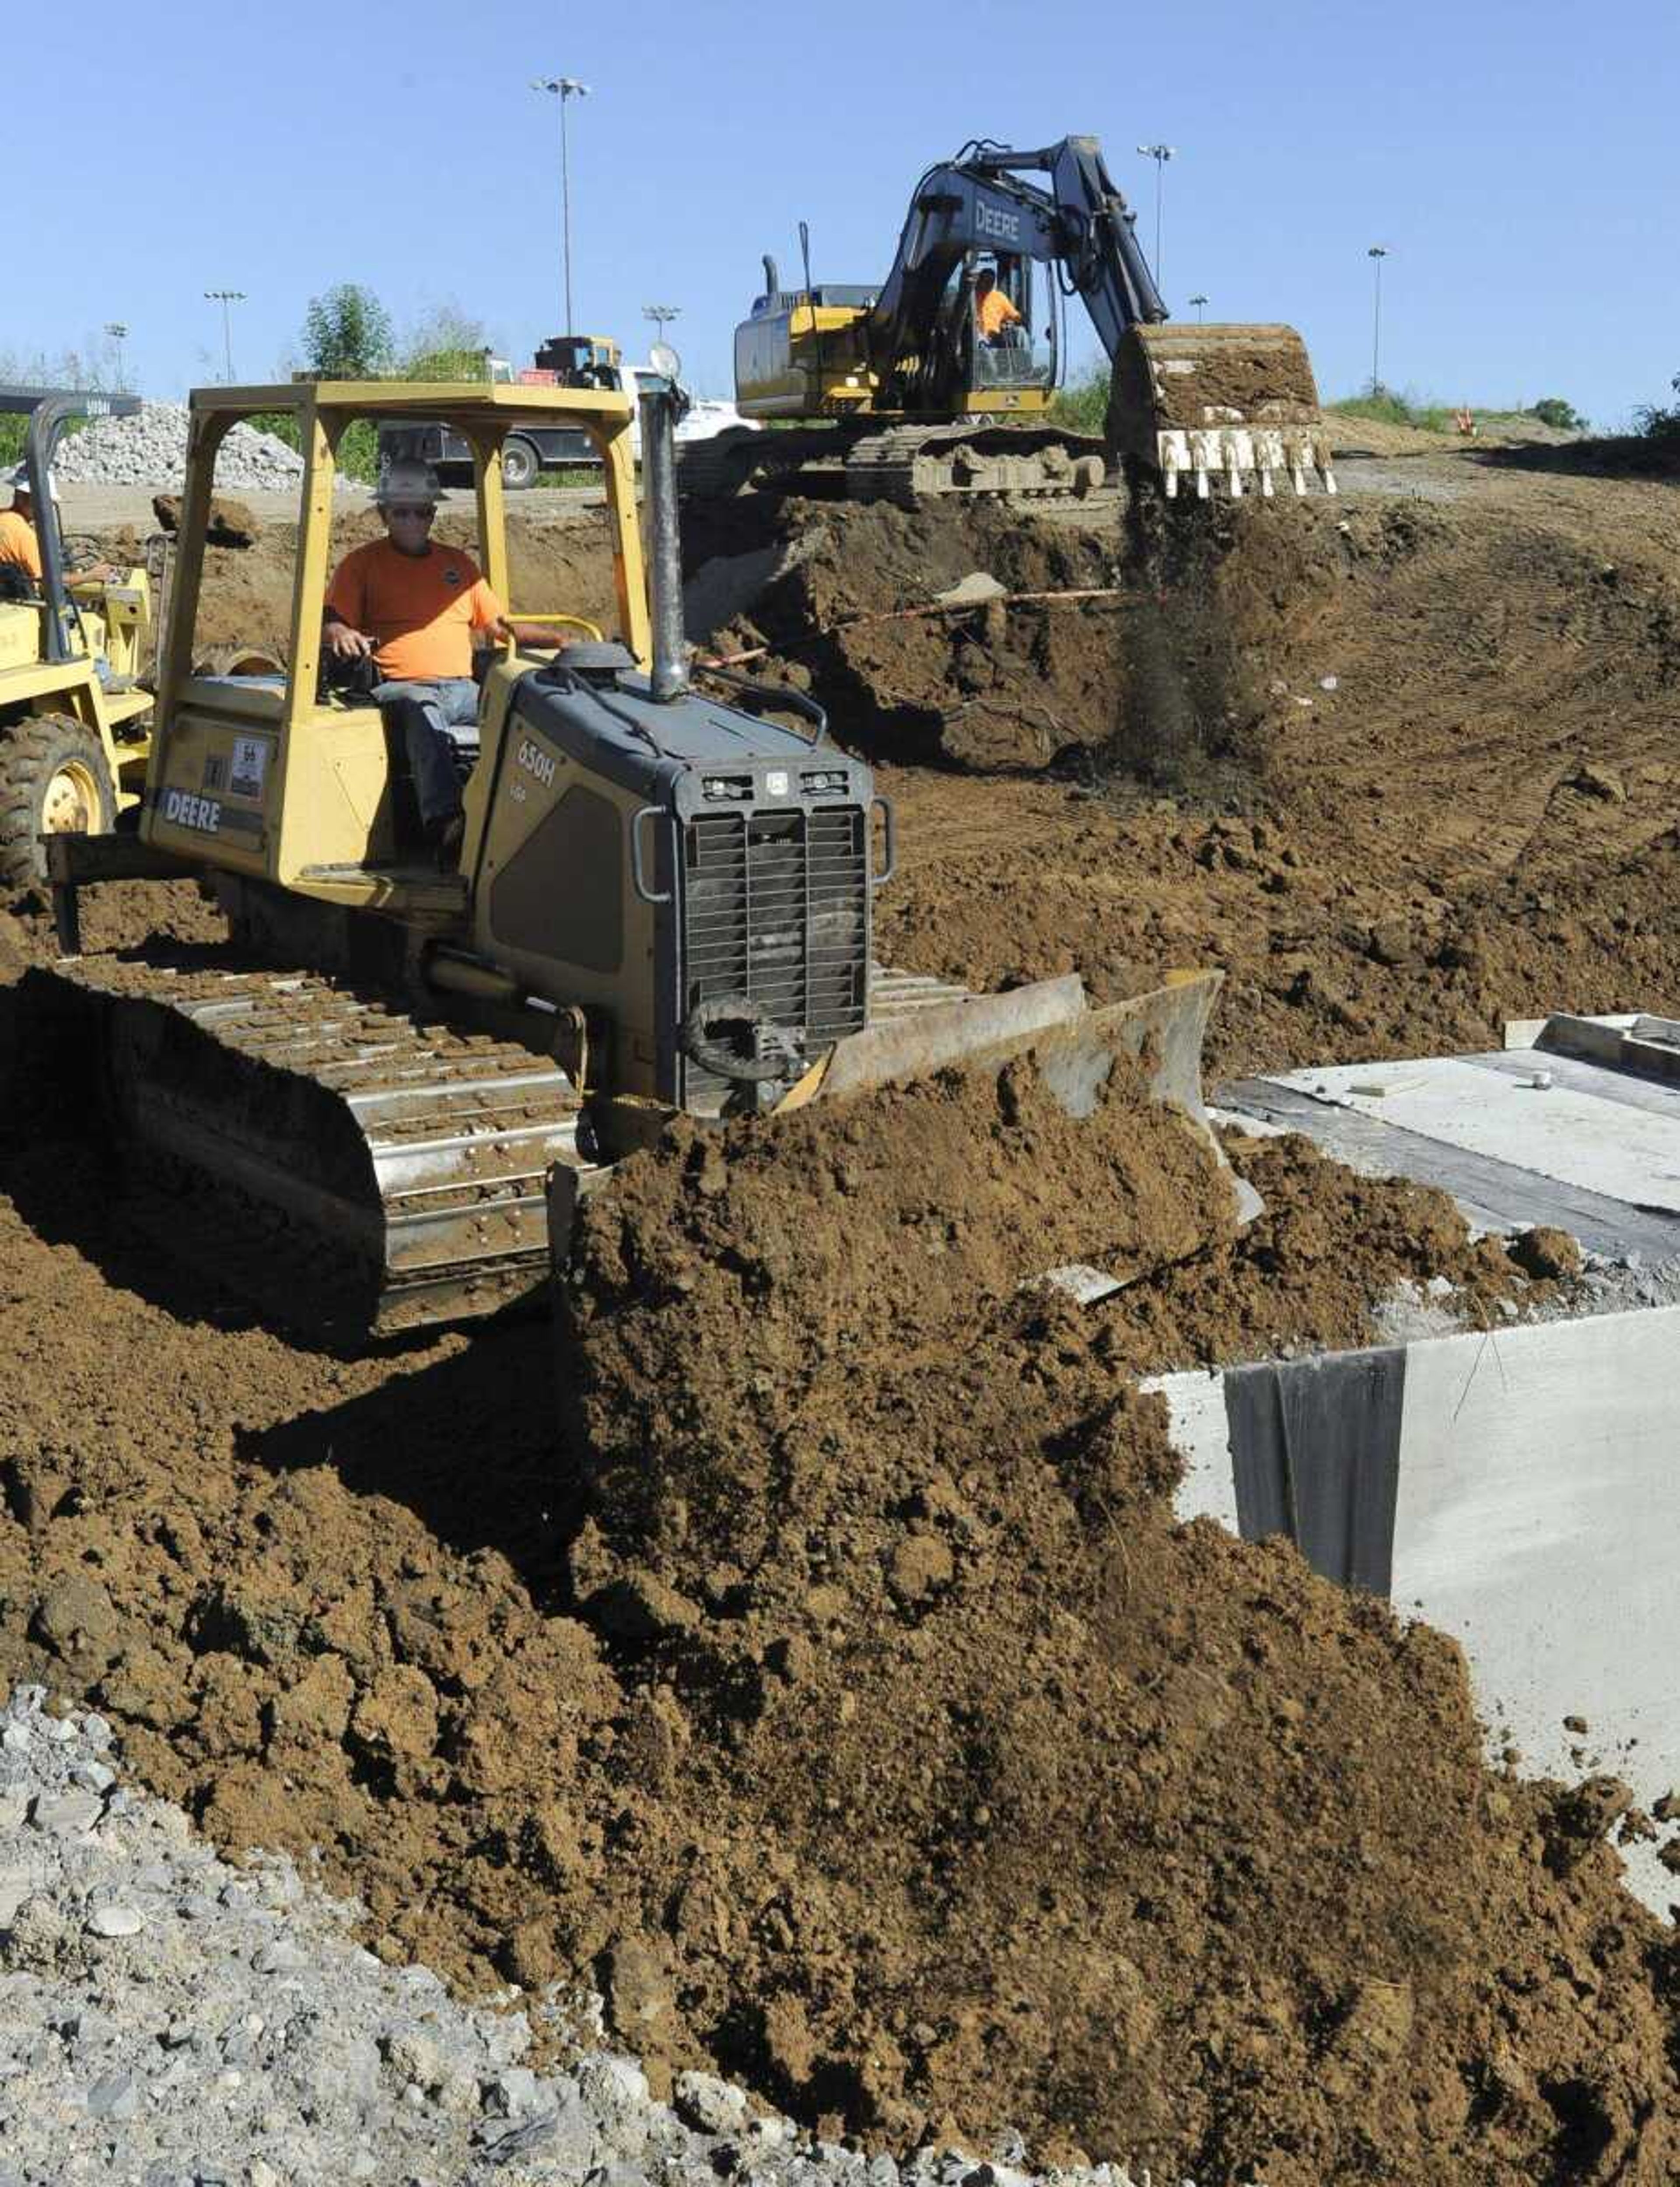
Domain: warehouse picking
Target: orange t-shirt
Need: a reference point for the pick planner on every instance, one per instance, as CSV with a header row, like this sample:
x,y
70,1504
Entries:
x,y
421,610
17,542
995,312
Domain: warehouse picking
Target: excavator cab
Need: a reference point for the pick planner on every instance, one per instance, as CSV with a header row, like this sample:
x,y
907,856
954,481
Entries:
x,y
1006,352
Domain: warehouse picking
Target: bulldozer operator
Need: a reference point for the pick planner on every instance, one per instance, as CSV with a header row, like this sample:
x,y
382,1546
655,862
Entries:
x,y
413,609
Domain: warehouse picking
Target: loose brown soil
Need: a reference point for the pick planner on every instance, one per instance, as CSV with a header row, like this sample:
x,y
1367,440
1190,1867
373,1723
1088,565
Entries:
x,y
1257,372
836,1690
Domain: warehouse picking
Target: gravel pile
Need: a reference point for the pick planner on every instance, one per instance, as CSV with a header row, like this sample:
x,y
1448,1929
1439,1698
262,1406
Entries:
x,y
150,449
169,2021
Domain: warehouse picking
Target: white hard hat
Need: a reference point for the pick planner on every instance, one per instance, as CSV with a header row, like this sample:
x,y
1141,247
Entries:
x,y
406,480
19,482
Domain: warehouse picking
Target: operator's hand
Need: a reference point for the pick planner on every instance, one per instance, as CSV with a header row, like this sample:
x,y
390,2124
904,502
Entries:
x,y
345,643
541,636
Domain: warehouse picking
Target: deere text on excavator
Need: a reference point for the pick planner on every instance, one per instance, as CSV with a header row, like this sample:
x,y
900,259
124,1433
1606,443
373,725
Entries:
x,y
362,1110
932,379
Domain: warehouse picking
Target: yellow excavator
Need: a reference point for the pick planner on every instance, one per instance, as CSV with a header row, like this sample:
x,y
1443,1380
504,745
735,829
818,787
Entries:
x,y
938,381
362,1110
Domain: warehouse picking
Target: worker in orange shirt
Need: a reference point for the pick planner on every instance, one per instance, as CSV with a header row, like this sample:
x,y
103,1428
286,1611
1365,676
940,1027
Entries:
x,y
994,311
414,608
20,547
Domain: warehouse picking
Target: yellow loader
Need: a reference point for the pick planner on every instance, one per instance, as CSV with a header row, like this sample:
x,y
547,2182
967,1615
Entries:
x,y
74,711
363,1109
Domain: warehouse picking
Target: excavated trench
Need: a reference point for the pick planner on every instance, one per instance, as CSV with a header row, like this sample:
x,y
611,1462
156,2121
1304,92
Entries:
x,y
825,1676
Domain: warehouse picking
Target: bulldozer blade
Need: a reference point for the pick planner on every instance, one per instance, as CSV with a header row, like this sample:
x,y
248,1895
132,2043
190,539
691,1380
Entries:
x,y
1226,407
1076,1046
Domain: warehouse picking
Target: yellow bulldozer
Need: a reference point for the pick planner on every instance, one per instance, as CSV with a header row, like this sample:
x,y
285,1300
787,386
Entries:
x,y
365,1106
938,381
74,711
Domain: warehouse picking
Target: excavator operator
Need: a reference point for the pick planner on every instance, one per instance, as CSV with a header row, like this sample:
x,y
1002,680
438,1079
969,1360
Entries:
x,y
413,609
993,311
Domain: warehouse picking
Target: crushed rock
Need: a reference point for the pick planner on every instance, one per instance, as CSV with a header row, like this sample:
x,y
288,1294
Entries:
x,y
171,2019
150,449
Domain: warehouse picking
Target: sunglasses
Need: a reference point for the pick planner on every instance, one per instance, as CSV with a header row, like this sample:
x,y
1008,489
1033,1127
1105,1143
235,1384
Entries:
x,y
425,515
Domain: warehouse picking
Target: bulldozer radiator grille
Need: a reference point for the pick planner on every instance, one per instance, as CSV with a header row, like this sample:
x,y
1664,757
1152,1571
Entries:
x,y
777,909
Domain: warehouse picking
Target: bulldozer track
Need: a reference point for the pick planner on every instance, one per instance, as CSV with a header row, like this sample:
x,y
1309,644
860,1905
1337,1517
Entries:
x,y
349,1165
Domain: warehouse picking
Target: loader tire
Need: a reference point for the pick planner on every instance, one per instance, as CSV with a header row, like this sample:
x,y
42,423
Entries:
x,y
54,778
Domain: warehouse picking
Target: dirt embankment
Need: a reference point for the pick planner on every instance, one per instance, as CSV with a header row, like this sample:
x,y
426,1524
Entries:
x,y
1404,771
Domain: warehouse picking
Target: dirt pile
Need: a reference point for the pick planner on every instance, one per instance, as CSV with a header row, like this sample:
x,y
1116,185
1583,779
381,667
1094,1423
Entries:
x,y
1144,639
1167,1847
846,1702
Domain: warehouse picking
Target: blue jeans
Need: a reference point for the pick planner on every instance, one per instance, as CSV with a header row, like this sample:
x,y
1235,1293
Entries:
x,y
434,718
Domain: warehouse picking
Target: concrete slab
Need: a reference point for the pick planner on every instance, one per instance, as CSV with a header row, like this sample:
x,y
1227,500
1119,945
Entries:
x,y
1578,1130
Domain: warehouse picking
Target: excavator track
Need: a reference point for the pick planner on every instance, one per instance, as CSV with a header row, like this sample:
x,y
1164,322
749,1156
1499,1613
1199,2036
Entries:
x,y
910,464
346,1165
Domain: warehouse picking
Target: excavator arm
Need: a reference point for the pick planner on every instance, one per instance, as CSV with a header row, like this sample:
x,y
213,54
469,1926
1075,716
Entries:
x,y
977,201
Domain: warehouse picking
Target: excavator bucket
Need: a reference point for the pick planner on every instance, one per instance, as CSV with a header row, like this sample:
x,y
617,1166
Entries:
x,y
1230,408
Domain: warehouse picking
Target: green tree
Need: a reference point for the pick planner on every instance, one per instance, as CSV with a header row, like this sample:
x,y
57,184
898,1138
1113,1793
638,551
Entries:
x,y
346,333
444,343
1660,421
1563,417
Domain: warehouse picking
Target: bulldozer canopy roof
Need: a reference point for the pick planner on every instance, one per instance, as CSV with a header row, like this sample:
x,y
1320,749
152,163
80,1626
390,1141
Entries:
x,y
466,400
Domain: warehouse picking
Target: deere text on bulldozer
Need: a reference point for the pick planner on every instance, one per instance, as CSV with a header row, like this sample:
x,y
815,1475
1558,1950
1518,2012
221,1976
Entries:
x,y
661,903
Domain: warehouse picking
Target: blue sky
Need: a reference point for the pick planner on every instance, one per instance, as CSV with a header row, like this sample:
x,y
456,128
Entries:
x,y
1517,161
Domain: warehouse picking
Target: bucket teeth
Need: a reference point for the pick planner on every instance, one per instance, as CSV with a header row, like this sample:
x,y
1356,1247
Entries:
x,y
1240,456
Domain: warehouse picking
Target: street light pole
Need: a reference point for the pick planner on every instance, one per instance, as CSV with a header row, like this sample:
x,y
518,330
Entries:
x,y
226,298
1160,153
661,315
1198,301
119,333
1376,254
564,88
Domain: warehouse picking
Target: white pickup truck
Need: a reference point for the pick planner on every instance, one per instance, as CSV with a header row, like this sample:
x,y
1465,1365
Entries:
x,y
535,449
